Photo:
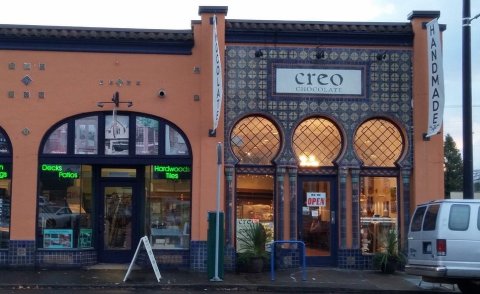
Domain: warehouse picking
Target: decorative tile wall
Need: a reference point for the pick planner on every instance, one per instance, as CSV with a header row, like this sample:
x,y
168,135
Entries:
x,y
249,82
354,259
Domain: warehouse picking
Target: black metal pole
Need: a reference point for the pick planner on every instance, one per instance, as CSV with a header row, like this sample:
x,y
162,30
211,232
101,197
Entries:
x,y
467,104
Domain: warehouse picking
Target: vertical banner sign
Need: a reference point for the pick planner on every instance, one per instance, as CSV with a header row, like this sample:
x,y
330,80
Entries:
x,y
436,93
217,77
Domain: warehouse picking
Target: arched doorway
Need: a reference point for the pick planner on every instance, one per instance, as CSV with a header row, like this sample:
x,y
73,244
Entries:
x,y
317,142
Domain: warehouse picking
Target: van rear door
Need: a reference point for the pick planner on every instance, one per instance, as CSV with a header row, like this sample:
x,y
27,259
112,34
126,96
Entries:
x,y
422,235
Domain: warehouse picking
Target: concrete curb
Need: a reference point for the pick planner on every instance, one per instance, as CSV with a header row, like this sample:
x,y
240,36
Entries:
x,y
218,287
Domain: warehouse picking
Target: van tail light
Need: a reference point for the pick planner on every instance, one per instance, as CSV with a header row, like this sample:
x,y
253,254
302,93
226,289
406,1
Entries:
x,y
441,247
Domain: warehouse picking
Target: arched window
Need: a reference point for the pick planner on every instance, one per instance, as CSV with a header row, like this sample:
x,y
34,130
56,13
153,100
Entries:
x,y
255,140
317,142
378,143
111,135
5,188
80,151
5,148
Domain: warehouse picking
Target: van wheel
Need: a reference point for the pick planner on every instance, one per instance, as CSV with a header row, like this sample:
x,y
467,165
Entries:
x,y
468,286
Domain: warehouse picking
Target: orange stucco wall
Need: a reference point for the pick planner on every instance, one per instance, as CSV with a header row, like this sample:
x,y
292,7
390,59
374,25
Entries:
x,y
72,85
427,180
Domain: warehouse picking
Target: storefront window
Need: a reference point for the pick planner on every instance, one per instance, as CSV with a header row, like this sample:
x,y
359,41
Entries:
x,y
174,142
146,141
378,143
116,134
255,140
86,135
5,197
57,142
169,199
4,149
65,206
317,142
378,210
255,202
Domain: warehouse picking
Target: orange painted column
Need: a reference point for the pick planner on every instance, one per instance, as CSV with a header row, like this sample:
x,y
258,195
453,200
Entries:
x,y
428,177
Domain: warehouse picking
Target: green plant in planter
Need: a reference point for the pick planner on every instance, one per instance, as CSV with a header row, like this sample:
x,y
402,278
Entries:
x,y
252,239
389,258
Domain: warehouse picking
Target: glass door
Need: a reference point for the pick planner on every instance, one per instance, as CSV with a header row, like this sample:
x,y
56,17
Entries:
x,y
317,219
117,223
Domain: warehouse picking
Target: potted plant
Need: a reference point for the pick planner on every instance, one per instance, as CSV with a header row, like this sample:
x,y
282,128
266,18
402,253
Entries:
x,y
252,253
389,258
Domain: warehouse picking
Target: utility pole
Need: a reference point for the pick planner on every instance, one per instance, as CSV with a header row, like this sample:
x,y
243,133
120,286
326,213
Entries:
x,y
467,103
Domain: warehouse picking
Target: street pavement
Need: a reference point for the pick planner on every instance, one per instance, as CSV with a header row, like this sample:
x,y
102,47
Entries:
x,y
312,280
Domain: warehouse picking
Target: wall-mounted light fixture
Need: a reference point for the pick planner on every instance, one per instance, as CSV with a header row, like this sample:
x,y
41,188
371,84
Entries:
x,y
320,54
381,56
116,101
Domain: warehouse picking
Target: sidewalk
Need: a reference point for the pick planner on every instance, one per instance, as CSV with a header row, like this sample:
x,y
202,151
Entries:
x,y
318,280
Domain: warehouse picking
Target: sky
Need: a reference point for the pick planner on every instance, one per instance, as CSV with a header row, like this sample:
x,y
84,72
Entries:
x,y
165,14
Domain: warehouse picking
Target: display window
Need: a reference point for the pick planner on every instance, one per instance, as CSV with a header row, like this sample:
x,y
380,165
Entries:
x,y
378,212
255,141
5,189
64,206
116,134
168,202
5,201
85,136
317,142
146,142
57,142
255,202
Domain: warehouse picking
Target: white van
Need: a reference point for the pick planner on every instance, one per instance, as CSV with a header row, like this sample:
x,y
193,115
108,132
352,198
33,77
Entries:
x,y
444,243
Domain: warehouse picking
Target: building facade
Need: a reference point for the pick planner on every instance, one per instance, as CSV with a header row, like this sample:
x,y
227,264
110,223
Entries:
x,y
105,138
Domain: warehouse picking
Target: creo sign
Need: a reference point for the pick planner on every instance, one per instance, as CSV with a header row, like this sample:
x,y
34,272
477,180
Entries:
x,y
171,172
4,172
319,81
63,171
316,199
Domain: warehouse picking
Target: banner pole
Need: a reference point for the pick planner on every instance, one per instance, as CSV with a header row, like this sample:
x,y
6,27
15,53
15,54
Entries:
x,y
216,278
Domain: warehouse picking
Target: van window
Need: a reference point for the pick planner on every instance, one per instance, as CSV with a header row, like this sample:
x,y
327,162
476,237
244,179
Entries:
x,y
459,217
430,220
417,219
478,218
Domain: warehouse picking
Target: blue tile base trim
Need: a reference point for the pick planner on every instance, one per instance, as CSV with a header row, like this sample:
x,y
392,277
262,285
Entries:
x,y
21,253
229,260
65,258
287,257
198,257
354,259
3,257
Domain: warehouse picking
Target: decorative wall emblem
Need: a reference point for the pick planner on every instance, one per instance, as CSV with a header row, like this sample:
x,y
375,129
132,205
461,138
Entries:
x,y
26,80
118,82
